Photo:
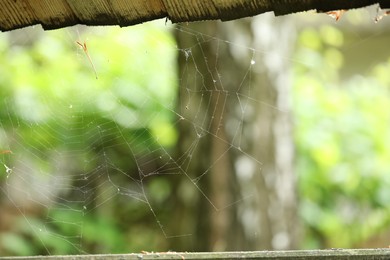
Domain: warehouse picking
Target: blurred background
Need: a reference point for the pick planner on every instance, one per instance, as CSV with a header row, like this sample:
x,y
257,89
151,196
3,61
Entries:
x,y
257,134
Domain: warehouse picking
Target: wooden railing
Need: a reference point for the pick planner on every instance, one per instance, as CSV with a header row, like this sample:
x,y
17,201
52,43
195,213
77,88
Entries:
x,y
339,254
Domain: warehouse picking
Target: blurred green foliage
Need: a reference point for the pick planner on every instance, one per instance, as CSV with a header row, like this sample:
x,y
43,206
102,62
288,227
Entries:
x,y
51,104
53,112
342,138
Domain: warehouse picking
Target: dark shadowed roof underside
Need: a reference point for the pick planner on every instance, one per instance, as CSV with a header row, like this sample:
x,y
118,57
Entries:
x,y
52,14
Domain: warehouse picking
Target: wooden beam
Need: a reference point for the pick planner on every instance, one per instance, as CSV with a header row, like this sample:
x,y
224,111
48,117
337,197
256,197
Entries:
x,y
335,254
52,14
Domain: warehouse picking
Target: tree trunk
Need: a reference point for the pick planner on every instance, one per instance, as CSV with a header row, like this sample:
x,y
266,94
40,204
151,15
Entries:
x,y
235,136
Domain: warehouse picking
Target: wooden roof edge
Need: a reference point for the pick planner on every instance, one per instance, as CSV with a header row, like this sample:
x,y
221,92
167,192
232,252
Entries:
x,y
56,14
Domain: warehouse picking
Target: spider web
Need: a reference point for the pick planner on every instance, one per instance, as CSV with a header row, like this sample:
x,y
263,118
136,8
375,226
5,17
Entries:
x,y
63,160
66,141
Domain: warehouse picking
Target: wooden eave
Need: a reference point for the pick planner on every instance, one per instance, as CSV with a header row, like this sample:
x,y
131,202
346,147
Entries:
x,y
52,14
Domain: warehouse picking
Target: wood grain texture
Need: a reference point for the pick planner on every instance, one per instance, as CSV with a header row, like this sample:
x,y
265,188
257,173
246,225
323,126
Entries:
x,y
331,254
52,14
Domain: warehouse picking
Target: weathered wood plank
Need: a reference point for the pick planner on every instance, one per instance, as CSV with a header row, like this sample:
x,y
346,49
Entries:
x,y
335,254
52,14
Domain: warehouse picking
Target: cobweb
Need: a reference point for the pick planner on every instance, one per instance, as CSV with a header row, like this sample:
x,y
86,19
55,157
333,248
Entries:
x,y
81,144
73,145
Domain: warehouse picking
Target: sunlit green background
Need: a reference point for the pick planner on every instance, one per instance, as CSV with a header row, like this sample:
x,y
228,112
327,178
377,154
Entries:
x,y
55,116
50,99
343,139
